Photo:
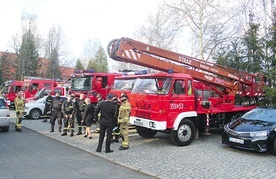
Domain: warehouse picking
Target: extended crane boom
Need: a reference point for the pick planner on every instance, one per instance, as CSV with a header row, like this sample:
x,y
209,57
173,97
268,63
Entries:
x,y
233,81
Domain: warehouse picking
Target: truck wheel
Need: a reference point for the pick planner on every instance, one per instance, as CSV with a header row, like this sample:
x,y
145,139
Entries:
x,y
273,151
184,135
35,113
145,133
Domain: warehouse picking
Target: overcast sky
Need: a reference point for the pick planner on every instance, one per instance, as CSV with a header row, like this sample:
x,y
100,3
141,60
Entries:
x,y
80,19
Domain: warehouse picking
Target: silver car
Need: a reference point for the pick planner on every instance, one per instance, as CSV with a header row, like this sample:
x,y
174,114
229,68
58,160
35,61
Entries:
x,y
4,115
35,109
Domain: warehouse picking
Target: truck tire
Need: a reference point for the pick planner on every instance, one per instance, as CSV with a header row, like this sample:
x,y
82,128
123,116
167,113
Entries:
x,y
184,135
273,151
35,113
145,133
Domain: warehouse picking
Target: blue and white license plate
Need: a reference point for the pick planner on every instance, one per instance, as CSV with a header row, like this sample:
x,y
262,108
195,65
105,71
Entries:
x,y
235,140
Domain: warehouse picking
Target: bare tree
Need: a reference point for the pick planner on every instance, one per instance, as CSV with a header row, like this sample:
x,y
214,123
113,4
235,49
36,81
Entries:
x,y
160,30
209,23
90,51
53,51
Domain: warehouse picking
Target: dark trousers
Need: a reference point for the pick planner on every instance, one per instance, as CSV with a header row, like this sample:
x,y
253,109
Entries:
x,y
79,119
46,109
56,115
108,130
69,121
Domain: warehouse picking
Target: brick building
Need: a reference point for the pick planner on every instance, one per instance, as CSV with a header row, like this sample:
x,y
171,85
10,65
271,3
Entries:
x,y
42,63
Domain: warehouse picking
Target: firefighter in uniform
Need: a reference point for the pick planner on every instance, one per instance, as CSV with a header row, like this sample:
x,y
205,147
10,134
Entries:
x,y
100,99
48,103
19,103
123,120
69,111
80,106
116,131
55,108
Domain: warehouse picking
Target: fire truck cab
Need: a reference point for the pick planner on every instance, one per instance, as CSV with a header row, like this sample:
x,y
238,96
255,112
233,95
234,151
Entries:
x,y
32,86
91,83
10,89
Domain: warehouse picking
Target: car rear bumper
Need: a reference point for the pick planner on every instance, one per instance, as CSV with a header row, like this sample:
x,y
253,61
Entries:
x,y
4,121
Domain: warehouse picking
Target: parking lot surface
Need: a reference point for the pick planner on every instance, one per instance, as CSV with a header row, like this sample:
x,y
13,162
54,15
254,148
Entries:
x,y
205,157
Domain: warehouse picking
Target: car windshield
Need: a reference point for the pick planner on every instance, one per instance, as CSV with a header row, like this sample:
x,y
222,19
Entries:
x,y
41,100
123,84
2,103
158,85
41,93
82,83
261,114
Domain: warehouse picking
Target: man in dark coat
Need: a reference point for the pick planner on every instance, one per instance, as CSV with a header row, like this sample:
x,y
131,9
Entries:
x,y
80,106
69,111
55,109
107,120
48,103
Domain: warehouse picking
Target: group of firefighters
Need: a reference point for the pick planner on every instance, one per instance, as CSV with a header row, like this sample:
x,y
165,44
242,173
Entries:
x,y
111,116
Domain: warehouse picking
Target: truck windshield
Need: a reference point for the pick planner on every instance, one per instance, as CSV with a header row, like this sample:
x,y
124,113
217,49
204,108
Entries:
x,y
5,89
123,84
82,83
152,85
25,86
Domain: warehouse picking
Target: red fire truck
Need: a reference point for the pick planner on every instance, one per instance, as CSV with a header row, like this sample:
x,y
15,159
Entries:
x,y
193,96
32,85
10,89
91,83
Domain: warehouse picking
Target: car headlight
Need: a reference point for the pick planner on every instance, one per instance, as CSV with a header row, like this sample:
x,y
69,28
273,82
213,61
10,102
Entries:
x,y
26,107
259,134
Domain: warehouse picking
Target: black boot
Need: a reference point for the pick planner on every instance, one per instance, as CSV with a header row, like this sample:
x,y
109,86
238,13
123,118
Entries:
x,y
64,132
52,128
116,139
79,132
59,128
72,133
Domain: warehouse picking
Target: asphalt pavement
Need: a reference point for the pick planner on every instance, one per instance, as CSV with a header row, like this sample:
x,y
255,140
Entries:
x,y
32,155
205,157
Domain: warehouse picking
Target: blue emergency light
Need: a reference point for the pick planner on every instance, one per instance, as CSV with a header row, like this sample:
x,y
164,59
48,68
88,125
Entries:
x,y
85,71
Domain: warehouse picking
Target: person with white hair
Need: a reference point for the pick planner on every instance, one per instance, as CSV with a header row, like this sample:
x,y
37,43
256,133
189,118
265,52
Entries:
x,y
88,116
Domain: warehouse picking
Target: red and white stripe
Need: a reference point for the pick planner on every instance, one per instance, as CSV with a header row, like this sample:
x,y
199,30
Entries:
x,y
207,120
131,55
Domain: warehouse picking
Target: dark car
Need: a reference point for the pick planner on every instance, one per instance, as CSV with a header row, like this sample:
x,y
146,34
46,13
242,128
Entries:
x,y
255,130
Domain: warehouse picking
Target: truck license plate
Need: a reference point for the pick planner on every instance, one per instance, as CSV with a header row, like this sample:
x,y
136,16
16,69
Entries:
x,y
239,141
